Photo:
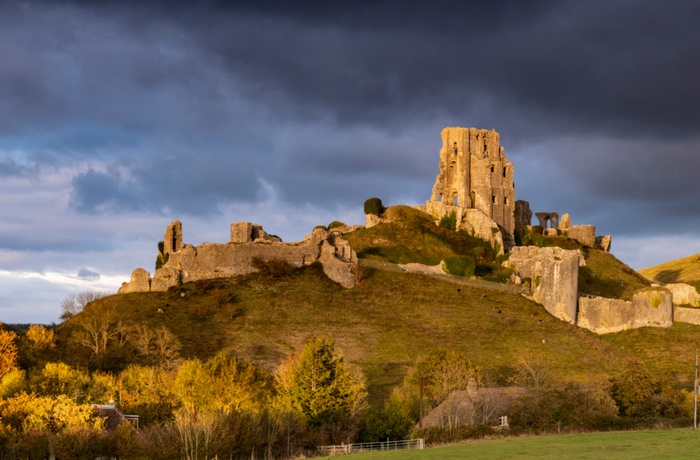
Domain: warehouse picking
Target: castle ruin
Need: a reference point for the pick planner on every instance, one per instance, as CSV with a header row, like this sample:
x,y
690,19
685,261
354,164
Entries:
x,y
475,182
182,263
475,174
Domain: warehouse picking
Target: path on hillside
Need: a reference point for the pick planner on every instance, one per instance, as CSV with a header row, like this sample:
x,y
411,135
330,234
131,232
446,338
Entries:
x,y
387,266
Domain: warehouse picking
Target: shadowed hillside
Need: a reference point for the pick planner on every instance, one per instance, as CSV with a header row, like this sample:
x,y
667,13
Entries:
x,y
685,270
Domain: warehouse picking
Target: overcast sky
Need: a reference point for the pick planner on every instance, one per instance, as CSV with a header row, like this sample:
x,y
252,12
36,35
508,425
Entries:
x,y
116,119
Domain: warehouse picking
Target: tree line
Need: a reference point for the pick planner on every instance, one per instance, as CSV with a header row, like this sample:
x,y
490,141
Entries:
x,y
228,407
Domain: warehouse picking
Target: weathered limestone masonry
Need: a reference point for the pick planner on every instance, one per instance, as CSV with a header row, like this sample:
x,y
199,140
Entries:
x,y
553,274
186,262
685,297
475,175
554,282
553,226
684,294
650,307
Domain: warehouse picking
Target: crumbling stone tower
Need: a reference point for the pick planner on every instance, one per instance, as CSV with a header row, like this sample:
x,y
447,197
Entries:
x,y
474,173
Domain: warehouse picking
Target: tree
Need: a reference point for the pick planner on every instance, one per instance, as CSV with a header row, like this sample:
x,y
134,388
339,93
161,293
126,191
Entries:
x,y
41,338
442,372
61,379
37,345
533,372
8,351
157,346
238,385
147,391
76,302
25,412
12,383
633,388
101,331
318,384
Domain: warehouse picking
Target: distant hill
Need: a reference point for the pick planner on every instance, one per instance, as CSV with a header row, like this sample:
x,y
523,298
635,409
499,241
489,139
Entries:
x,y
392,318
685,270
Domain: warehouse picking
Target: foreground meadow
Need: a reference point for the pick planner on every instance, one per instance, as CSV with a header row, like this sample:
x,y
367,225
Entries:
x,y
663,444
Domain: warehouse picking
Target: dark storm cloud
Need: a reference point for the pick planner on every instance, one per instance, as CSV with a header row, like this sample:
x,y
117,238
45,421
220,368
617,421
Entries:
x,y
184,104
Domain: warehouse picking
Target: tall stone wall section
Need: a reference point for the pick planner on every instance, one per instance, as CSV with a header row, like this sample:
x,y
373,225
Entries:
x,y
553,274
475,174
214,260
686,315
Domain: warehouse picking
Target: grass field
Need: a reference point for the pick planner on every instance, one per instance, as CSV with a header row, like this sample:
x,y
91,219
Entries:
x,y
666,444
685,270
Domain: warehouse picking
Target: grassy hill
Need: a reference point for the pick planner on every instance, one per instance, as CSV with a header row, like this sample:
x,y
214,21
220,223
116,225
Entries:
x,y
685,270
392,318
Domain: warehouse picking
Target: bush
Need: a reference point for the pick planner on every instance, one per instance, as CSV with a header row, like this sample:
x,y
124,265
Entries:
x,y
163,256
274,268
449,221
374,206
483,270
336,224
460,266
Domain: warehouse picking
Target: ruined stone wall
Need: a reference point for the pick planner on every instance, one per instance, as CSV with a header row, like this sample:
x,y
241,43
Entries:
x,y
584,234
649,307
172,240
684,294
602,315
214,260
686,315
474,173
554,277
523,214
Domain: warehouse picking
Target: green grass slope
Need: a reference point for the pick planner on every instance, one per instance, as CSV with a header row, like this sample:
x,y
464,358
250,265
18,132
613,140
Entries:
x,y
666,444
392,318
685,270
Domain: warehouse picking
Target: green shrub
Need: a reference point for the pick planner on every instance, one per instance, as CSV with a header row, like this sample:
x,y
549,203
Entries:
x,y
478,252
483,270
336,224
374,206
274,268
163,257
449,221
460,266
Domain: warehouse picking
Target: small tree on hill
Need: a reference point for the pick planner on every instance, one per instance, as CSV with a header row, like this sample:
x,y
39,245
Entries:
x,y
75,302
318,384
374,206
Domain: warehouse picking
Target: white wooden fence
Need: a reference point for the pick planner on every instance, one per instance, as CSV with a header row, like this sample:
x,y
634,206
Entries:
x,y
407,444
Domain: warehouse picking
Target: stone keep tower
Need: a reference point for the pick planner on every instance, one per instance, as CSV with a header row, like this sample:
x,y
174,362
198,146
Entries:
x,y
474,173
